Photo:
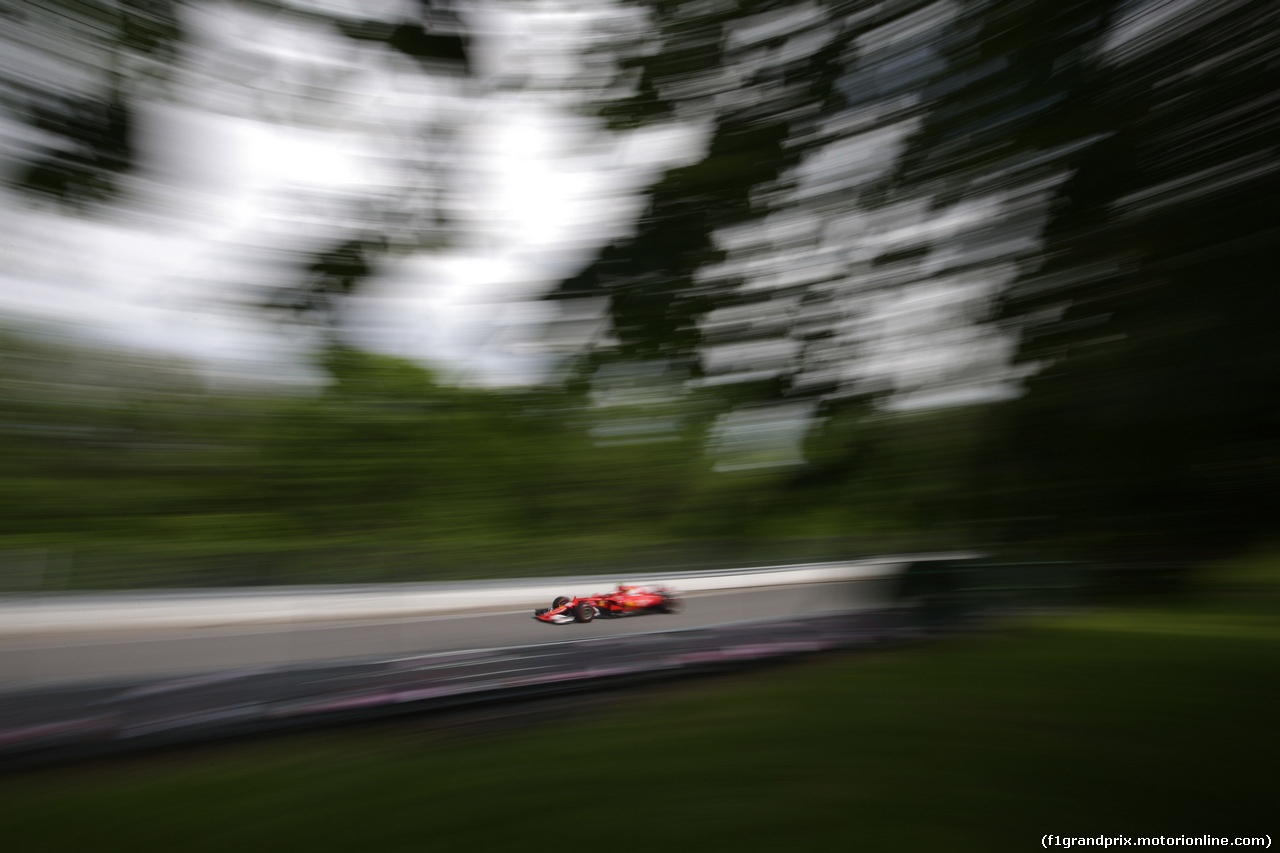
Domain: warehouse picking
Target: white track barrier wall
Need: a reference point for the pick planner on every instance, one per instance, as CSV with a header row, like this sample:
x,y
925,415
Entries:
x,y
27,616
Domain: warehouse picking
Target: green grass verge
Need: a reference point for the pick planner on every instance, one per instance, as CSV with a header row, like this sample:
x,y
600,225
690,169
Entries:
x,y
1134,722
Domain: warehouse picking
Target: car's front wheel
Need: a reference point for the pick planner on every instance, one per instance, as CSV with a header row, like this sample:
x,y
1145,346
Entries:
x,y
584,613
560,602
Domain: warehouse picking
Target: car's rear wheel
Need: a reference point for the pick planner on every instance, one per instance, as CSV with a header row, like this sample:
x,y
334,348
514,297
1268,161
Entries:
x,y
670,604
584,613
560,602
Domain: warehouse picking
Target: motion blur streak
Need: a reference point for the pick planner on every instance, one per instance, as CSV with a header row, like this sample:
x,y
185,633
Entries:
x,y
316,293
302,291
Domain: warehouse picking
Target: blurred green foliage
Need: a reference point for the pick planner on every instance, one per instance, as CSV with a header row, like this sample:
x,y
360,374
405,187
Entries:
x,y
1141,315
125,471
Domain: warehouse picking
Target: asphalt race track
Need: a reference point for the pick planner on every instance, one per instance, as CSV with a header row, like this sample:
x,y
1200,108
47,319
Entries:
x,y
126,654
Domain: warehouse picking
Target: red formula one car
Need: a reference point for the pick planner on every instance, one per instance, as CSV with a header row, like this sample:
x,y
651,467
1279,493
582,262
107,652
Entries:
x,y
626,600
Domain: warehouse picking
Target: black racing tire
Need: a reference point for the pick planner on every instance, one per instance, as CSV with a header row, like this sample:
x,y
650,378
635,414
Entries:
x,y
670,604
560,601
584,612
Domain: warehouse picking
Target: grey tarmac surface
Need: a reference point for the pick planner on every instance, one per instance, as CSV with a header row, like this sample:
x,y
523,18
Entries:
x,y
120,655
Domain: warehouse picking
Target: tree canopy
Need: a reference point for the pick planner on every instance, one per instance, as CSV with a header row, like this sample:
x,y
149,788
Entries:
x,y
945,275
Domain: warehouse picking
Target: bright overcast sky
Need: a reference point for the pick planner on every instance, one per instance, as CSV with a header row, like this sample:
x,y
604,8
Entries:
x,y
279,138
240,184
